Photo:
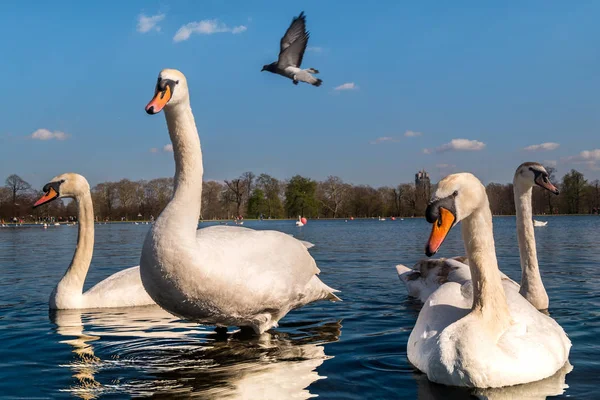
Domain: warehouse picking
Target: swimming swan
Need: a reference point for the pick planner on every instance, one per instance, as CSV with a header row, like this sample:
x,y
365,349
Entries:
x,y
220,275
426,276
123,289
481,333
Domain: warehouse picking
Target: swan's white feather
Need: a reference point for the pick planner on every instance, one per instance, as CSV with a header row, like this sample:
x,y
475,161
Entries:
x,y
123,289
238,277
426,276
443,345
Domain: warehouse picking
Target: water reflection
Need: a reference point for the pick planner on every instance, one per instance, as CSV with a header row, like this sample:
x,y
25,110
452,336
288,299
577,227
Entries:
x,y
552,386
157,353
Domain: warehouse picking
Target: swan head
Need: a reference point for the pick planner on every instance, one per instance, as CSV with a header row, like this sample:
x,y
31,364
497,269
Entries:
x,y
171,89
529,174
457,196
66,185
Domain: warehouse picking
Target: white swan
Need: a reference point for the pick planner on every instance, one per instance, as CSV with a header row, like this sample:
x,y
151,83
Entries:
x,y
299,222
527,175
480,334
426,276
220,275
539,223
123,289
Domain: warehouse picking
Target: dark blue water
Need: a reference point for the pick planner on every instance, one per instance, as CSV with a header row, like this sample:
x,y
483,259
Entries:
x,y
355,349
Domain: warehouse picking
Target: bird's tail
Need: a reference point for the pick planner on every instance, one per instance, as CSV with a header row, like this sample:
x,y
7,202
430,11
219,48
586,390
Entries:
x,y
313,71
317,82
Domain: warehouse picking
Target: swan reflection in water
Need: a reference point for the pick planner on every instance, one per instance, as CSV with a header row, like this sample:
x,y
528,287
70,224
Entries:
x,y
154,353
552,386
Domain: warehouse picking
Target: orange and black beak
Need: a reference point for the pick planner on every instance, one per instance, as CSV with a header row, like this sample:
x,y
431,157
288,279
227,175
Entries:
x,y
543,181
439,231
442,214
50,193
162,95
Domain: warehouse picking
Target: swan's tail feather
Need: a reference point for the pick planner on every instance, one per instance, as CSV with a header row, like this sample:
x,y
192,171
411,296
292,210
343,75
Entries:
x,y
333,297
308,245
317,82
330,292
313,71
405,274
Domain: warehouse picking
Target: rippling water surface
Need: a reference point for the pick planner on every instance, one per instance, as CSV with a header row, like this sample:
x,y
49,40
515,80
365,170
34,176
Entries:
x,y
354,349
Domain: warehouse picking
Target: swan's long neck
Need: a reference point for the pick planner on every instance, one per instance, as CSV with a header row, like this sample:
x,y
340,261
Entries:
x,y
489,300
73,280
183,211
532,287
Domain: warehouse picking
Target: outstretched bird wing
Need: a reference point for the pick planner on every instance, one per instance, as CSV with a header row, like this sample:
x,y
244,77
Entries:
x,y
293,43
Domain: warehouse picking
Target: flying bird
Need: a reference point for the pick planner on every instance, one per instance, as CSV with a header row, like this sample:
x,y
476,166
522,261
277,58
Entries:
x,y
293,45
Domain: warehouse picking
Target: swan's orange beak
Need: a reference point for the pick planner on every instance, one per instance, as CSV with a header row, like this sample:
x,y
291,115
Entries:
x,y
440,230
161,98
48,197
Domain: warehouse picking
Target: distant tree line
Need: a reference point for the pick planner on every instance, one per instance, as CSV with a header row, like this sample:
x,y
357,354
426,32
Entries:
x,y
253,196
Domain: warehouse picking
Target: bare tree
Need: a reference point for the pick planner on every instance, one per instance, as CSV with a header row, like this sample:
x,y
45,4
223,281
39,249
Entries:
x,y
140,197
332,193
407,197
397,199
16,185
211,206
235,192
105,196
126,191
594,188
158,193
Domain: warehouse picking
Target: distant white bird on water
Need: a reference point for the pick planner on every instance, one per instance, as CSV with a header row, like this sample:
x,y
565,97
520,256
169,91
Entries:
x,y
292,48
539,223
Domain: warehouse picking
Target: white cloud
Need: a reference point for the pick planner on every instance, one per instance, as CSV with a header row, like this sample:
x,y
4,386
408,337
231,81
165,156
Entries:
x,y
167,148
445,166
315,49
542,147
457,145
412,133
550,163
384,139
589,155
45,134
149,23
591,158
347,86
239,29
206,27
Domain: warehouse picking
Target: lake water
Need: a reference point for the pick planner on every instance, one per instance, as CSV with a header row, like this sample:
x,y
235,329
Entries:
x,y
354,349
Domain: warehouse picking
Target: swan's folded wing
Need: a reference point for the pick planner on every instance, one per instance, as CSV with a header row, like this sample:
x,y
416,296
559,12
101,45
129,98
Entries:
x,y
253,259
122,289
428,275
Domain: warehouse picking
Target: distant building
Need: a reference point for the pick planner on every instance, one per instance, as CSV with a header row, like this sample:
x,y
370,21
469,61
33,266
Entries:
x,y
423,185
422,179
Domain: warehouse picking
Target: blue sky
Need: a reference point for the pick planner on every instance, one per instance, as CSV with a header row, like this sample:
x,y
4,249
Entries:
x,y
500,76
